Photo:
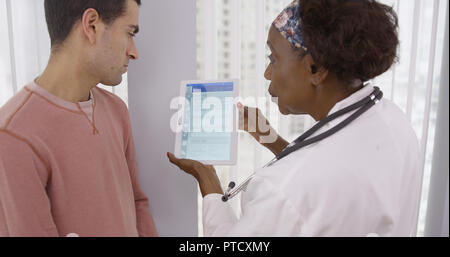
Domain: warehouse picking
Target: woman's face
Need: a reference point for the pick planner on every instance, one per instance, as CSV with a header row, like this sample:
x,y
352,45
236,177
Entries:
x,y
290,76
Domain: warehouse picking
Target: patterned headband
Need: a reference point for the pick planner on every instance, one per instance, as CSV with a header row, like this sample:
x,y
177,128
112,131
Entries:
x,y
288,24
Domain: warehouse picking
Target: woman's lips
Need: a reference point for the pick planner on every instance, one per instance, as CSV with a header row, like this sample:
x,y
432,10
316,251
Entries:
x,y
270,92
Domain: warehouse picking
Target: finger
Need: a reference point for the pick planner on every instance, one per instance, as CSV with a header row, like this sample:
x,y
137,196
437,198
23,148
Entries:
x,y
184,164
252,119
173,159
241,119
244,112
242,108
211,168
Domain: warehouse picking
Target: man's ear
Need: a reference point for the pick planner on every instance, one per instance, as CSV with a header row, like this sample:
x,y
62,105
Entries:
x,y
318,74
90,22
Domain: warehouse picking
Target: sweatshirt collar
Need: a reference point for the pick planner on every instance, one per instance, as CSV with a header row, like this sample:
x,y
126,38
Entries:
x,y
59,101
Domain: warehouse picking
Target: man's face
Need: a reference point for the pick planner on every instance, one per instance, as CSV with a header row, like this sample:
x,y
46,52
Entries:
x,y
116,46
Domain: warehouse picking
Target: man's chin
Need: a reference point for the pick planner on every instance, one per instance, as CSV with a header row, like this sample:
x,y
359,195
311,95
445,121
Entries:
x,y
112,83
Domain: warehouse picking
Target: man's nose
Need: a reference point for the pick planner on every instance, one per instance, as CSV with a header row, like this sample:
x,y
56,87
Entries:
x,y
132,52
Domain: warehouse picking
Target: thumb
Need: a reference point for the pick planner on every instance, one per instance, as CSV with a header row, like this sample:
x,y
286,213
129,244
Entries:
x,y
173,159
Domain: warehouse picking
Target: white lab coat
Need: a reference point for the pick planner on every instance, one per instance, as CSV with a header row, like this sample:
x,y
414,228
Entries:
x,y
363,180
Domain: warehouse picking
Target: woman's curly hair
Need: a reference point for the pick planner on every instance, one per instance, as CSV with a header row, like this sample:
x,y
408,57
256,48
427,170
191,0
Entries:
x,y
355,39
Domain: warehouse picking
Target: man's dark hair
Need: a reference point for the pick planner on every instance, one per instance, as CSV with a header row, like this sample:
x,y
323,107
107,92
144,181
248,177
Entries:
x,y
355,39
61,15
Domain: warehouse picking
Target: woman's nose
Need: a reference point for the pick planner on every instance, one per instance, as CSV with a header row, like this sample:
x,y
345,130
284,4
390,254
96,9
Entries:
x,y
268,72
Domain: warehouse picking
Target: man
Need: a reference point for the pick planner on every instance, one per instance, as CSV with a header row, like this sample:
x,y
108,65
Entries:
x,y
67,156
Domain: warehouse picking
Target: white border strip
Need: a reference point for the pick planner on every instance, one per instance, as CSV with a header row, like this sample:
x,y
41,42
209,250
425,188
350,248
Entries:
x,y
394,68
261,38
11,46
412,64
235,38
210,39
429,92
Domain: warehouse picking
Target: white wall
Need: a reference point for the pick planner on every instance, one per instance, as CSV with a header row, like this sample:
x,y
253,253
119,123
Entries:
x,y
167,54
437,210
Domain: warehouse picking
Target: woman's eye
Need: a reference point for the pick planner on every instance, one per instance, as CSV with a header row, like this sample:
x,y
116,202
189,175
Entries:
x,y
132,34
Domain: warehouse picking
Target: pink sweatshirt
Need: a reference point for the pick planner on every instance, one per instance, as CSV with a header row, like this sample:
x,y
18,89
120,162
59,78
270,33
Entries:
x,y
69,167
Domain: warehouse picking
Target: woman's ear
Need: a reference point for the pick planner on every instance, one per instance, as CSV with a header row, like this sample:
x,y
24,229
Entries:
x,y
317,74
89,23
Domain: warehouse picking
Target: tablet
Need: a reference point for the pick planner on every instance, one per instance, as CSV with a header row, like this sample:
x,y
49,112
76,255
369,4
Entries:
x,y
208,121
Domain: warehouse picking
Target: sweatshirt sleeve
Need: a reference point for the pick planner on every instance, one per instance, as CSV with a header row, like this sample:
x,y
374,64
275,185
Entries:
x,y
145,224
25,208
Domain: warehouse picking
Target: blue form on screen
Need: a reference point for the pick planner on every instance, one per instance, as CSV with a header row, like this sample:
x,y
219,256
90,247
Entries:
x,y
208,122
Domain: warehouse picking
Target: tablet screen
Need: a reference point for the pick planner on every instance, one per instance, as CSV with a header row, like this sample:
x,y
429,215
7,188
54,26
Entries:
x,y
208,121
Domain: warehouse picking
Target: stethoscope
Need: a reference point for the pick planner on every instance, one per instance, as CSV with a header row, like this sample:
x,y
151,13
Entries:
x,y
304,140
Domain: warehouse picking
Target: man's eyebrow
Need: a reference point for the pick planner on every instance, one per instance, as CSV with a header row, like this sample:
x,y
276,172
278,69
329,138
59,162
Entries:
x,y
135,28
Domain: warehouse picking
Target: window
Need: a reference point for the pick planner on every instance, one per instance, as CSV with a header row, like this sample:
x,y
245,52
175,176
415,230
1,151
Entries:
x,y
412,83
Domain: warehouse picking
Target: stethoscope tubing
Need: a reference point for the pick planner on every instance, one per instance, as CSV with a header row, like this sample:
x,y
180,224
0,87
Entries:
x,y
302,141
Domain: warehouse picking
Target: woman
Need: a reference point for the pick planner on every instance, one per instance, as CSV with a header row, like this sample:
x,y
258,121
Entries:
x,y
359,178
